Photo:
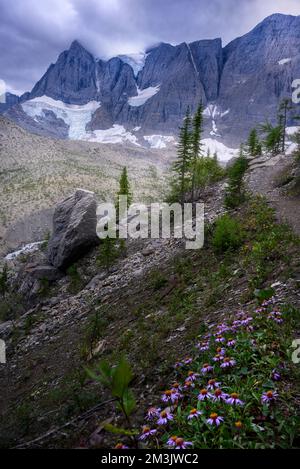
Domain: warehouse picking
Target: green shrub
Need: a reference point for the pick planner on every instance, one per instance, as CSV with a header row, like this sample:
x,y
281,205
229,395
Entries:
x,y
235,193
158,280
4,280
75,279
227,234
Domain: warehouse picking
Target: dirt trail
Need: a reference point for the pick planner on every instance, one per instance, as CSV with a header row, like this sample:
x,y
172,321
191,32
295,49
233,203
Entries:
x,y
261,179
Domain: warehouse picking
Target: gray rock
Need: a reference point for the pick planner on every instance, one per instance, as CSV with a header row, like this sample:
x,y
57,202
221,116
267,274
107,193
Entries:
x,y
43,272
74,229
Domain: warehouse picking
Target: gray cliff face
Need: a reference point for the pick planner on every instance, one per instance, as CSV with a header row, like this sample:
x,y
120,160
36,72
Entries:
x,y
258,71
71,79
242,82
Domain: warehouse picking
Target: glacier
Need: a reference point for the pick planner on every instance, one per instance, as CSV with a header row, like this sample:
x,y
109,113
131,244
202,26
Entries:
x,y
143,95
74,115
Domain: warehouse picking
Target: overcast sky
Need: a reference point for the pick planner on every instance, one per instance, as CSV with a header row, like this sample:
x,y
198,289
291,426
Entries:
x,y
34,32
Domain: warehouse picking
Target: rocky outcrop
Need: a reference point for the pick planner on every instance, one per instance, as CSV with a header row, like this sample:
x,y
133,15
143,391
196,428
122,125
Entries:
x,y
74,229
71,79
241,83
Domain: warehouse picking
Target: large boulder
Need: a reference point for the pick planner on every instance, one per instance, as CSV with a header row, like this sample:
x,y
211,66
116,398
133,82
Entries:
x,y
74,229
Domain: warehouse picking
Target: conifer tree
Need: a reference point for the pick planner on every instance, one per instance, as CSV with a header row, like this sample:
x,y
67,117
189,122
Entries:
x,y
182,164
284,107
109,252
196,144
124,187
254,145
235,193
273,137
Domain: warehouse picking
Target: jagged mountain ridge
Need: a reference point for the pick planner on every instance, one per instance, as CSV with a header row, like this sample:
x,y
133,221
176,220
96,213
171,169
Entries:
x,y
239,84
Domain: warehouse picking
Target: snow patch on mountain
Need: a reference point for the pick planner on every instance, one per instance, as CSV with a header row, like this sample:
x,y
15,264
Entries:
x,y
159,141
284,61
143,95
75,116
116,134
213,111
136,61
224,153
27,249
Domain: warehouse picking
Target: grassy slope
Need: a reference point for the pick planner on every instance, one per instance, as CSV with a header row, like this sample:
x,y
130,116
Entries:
x,y
156,323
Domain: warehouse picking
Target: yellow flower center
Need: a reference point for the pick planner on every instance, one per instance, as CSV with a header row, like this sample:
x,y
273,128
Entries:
x,y
214,416
234,395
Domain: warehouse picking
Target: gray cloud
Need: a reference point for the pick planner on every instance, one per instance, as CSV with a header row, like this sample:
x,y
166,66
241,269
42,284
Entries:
x,y
34,32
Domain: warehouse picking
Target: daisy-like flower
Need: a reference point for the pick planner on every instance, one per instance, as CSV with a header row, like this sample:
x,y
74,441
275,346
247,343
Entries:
x,y
146,433
276,376
231,342
152,413
228,362
121,446
181,444
221,351
236,324
246,321
220,339
276,316
188,385
171,441
164,417
194,414
219,395
222,328
238,425
218,358
176,387
234,399
192,376
203,347
188,360
215,419
213,384
269,397
178,365
204,395
206,368
170,395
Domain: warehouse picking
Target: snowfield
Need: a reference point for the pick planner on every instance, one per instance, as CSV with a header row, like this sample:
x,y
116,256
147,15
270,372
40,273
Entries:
x,y
136,61
75,116
116,134
224,153
143,96
159,141
284,61
27,249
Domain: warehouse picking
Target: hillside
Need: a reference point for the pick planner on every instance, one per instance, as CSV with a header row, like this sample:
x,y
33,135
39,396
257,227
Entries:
x,y
36,172
179,297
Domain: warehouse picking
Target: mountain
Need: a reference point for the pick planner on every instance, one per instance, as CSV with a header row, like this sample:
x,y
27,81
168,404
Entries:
x,y
146,95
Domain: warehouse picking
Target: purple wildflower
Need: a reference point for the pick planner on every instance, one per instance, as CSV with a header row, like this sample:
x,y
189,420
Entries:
x,y
269,397
234,399
146,433
214,419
